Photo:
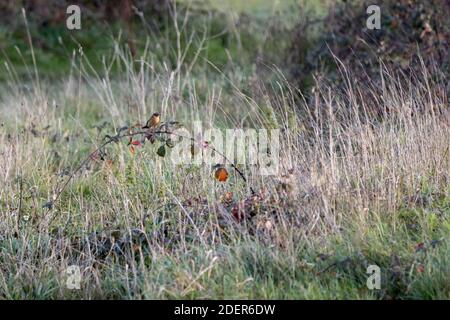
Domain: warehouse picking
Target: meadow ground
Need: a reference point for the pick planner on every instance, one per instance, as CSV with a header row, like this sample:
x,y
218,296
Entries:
x,y
351,191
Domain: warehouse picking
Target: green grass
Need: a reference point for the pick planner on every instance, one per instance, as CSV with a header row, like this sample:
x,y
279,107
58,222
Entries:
x,y
250,270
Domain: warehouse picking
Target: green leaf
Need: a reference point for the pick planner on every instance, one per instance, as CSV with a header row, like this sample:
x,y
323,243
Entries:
x,y
161,151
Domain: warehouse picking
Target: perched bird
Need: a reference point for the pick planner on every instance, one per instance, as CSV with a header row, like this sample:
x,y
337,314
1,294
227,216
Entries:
x,y
154,120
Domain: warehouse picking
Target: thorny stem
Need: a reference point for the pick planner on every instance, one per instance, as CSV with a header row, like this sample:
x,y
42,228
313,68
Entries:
x,y
215,150
116,138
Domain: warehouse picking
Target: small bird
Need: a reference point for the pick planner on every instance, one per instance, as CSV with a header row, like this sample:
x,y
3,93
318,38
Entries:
x,y
154,120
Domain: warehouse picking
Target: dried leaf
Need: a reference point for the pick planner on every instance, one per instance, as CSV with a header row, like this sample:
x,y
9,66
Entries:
x,y
221,174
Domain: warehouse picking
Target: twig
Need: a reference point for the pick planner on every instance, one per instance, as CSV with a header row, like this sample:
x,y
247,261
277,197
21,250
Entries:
x,y
215,150
19,210
117,138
